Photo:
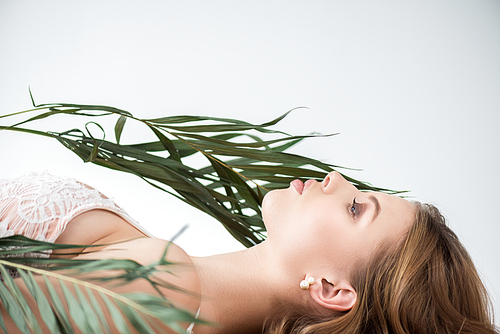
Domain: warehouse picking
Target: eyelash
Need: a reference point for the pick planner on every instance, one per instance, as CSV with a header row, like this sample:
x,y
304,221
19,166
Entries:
x,y
353,207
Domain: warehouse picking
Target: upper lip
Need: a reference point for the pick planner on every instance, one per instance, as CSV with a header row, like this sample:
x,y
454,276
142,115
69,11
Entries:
x,y
307,184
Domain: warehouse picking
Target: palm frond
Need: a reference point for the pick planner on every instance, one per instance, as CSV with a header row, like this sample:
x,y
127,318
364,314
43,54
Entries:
x,y
242,162
241,166
52,290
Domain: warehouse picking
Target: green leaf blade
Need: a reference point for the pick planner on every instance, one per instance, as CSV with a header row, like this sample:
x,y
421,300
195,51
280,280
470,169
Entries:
x,y
43,304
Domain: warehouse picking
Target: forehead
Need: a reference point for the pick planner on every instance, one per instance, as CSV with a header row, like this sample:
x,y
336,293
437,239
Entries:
x,y
396,216
395,203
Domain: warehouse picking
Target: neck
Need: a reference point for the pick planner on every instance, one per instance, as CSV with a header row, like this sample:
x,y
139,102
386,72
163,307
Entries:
x,y
238,292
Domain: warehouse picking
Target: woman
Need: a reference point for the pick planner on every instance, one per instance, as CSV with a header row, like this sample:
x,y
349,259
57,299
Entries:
x,y
336,260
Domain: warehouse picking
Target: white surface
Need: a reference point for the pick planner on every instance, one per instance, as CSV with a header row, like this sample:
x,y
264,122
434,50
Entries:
x,y
413,87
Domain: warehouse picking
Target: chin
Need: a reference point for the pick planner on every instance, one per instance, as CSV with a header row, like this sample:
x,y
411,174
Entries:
x,y
275,206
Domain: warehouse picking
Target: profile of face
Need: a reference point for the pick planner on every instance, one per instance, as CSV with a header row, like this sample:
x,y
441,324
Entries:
x,y
326,229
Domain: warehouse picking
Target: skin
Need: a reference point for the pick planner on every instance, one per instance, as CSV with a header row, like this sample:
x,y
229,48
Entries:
x,y
98,227
314,233
317,232
321,226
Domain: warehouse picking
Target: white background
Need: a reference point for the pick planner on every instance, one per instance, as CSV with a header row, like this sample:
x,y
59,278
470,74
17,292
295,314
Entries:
x,y
413,87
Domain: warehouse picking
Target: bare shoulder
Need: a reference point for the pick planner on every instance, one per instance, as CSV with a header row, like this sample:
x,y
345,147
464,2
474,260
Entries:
x,y
144,250
181,270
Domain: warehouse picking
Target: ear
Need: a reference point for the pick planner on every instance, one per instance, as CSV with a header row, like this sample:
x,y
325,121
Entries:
x,y
339,297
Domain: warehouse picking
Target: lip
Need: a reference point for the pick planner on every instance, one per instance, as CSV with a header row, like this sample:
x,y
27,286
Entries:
x,y
308,184
301,186
298,185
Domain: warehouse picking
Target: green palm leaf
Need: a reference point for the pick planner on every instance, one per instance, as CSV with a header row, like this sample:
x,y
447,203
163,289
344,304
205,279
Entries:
x,y
241,166
82,311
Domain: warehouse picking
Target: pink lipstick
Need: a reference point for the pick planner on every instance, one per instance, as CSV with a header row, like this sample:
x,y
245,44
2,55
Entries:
x,y
307,184
298,185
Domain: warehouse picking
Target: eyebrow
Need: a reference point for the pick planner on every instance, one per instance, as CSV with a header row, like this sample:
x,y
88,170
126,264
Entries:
x,y
377,207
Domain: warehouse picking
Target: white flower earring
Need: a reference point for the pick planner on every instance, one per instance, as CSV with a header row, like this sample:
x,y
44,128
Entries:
x,y
304,284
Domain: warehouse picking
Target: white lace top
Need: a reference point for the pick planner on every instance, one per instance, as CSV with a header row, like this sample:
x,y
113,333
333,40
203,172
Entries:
x,y
40,205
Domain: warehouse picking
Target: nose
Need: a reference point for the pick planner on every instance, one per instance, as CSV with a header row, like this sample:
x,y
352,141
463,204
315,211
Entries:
x,y
334,181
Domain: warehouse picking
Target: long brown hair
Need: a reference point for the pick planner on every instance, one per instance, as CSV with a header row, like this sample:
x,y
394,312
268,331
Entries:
x,y
426,284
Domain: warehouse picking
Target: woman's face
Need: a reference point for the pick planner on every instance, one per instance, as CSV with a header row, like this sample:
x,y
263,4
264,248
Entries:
x,y
332,223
